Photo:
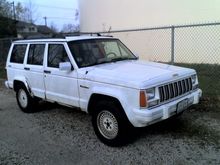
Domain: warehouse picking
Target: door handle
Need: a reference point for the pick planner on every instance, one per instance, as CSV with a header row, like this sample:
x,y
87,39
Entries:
x,y
47,71
26,68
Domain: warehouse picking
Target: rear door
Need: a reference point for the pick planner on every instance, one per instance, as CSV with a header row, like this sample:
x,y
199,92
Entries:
x,y
61,86
34,69
15,62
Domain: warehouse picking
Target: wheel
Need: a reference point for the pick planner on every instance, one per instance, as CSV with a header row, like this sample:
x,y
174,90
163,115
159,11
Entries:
x,y
110,124
26,103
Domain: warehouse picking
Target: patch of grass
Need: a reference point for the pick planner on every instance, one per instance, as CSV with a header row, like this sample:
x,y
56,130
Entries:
x,y
201,131
209,77
2,71
190,126
179,127
209,82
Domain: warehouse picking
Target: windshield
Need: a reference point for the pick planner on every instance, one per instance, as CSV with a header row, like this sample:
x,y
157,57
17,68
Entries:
x,y
98,51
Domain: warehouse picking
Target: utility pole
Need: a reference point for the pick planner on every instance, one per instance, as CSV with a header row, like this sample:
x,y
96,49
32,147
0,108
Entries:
x,y
45,20
13,5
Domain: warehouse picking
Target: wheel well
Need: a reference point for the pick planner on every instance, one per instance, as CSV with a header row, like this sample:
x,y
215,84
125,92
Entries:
x,y
95,98
99,97
18,84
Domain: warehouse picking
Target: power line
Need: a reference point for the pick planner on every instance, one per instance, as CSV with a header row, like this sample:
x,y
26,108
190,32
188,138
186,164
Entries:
x,y
72,18
48,6
60,18
55,7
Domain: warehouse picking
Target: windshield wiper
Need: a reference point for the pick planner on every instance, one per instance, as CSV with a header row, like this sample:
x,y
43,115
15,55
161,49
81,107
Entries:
x,y
110,60
122,59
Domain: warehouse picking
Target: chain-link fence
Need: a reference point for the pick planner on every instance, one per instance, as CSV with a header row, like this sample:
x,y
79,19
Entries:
x,y
4,48
197,43
195,46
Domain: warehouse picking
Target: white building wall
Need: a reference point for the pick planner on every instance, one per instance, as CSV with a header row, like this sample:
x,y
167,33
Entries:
x,y
191,45
98,15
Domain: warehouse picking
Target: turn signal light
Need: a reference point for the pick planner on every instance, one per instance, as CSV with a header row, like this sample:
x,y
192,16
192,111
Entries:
x,y
143,99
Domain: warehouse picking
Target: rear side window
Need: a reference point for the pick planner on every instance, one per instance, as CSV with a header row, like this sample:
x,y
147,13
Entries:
x,y
36,54
18,53
56,54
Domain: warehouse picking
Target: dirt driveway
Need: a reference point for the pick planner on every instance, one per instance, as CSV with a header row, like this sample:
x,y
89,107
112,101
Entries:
x,y
58,135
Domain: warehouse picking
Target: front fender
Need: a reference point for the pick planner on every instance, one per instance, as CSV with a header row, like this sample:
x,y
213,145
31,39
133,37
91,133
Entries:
x,y
112,92
126,97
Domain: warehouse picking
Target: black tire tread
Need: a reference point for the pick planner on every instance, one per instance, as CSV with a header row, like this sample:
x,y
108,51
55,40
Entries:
x,y
32,102
117,111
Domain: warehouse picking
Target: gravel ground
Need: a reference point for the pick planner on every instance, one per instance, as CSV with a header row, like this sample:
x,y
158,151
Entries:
x,y
59,135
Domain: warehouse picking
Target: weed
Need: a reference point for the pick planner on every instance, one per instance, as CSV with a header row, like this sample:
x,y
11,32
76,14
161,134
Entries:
x,y
2,71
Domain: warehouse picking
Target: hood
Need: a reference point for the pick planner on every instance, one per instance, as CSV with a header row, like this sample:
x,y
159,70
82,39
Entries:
x,y
134,74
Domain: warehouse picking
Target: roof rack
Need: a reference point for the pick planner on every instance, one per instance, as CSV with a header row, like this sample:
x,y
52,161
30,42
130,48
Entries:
x,y
63,35
94,34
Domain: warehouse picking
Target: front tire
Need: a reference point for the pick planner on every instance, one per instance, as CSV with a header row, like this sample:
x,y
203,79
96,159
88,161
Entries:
x,y
25,102
110,124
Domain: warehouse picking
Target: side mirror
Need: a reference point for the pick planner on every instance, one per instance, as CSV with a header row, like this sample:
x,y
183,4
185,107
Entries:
x,y
65,66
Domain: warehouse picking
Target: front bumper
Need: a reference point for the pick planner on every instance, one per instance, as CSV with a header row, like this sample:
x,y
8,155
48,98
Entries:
x,y
144,117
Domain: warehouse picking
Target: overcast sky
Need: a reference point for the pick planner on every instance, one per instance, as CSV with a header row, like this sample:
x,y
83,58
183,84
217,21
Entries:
x,y
57,12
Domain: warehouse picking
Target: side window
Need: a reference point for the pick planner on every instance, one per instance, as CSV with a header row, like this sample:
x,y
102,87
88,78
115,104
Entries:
x,y
56,54
18,53
36,54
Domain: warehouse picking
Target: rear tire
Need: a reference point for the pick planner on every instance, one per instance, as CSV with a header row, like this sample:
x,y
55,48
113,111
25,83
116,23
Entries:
x,y
25,102
110,124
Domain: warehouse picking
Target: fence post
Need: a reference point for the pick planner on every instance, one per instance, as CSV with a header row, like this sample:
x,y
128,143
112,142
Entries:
x,y
172,44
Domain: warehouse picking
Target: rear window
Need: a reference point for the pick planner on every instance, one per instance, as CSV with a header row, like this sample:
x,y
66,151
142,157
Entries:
x,y
18,53
36,54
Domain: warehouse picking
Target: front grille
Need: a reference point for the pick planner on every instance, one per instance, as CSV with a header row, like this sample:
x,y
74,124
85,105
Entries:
x,y
175,89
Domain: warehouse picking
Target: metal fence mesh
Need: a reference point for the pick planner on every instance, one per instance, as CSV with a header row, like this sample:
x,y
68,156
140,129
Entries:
x,y
195,46
198,45
192,44
153,45
4,48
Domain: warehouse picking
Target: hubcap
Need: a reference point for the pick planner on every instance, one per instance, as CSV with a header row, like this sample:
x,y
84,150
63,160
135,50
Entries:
x,y
22,98
107,124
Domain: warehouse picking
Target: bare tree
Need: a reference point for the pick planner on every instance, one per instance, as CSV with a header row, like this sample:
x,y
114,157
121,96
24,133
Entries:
x,y
70,28
26,13
19,10
7,25
53,27
77,15
6,9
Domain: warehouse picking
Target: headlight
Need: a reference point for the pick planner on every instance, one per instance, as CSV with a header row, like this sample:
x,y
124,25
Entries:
x,y
194,78
147,98
150,93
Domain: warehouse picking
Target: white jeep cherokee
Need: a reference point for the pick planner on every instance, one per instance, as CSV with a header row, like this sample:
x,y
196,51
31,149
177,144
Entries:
x,y
102,77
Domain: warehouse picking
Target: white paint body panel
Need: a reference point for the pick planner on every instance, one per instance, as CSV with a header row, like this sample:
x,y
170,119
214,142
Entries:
x,y
62,87
122,80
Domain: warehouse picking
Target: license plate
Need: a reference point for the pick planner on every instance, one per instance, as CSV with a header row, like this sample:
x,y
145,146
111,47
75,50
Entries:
x,y
182,105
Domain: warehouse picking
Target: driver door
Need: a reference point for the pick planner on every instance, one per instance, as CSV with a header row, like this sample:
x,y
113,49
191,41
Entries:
x,y
61,86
